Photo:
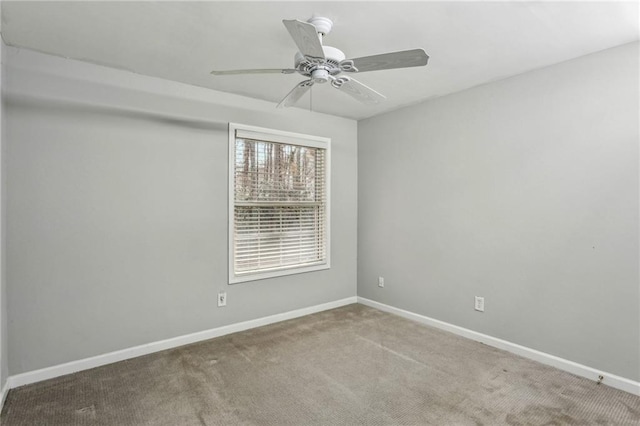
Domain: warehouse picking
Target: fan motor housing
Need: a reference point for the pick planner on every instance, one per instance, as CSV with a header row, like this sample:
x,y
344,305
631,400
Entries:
x,y
317,68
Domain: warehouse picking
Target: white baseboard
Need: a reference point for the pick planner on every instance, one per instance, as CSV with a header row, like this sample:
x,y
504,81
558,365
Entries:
x,y
136,351
612,380
3,394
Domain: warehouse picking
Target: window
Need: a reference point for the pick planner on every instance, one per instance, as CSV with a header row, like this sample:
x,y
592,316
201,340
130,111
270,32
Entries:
x,y
278,203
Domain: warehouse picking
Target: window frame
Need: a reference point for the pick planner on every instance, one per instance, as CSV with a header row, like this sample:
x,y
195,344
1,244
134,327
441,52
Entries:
x,y
283,137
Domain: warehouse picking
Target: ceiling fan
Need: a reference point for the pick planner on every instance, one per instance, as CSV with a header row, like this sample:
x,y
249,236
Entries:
x,y
322,64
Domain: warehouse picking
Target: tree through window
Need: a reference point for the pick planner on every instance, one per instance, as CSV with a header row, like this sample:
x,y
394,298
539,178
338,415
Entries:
x,y
279,193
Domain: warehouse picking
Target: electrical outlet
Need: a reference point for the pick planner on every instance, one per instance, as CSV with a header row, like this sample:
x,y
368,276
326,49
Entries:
x,y
479,305
222,298
380,282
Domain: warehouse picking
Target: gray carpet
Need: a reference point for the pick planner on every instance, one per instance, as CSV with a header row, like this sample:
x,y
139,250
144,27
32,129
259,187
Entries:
x,y
348,366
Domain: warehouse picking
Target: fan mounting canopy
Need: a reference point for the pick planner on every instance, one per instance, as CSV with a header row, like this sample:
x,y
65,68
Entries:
x,y
323,25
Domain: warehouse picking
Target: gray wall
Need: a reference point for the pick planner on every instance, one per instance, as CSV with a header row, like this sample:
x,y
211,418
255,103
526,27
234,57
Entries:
x,y
4,364
524,191
117,210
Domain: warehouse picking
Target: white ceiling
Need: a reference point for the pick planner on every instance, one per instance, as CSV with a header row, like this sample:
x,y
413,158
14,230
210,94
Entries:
x,y
469,43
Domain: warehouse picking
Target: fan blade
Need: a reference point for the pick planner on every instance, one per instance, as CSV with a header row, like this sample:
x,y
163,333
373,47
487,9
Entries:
x,y
357,90
306,38
295,94
265,71
386,61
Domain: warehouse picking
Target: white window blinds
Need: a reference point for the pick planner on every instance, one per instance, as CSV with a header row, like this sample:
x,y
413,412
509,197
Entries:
x,y
280,217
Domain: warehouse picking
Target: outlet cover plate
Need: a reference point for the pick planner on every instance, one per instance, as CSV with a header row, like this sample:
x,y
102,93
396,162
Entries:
x,y
222,299
479,304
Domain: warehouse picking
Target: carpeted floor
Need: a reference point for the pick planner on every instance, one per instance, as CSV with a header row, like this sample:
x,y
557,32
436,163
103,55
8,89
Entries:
x,y
348,366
